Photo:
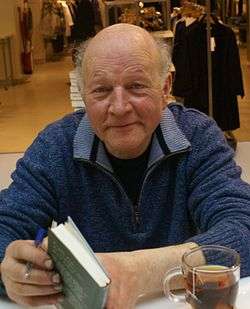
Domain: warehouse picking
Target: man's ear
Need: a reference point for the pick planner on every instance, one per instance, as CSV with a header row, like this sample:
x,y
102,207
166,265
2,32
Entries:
x,y
167,84
167,88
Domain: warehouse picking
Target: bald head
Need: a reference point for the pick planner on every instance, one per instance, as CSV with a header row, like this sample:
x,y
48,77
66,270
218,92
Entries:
x,y
122,36
118,39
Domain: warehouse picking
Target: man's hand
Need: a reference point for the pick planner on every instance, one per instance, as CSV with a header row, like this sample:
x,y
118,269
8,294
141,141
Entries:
x,y
124,272
43,285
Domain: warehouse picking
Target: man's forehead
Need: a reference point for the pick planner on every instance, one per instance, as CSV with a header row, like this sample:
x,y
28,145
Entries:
x,y
126,57
130,65
136,56
115,47
104,72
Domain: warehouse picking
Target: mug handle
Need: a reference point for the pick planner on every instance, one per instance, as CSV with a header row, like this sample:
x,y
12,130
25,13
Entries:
x,y
172,273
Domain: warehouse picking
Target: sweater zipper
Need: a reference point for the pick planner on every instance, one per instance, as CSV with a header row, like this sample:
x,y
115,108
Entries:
x,y
136,208
98,166
136,215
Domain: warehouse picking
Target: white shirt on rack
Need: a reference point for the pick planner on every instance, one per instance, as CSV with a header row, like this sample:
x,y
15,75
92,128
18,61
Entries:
x,y
68,18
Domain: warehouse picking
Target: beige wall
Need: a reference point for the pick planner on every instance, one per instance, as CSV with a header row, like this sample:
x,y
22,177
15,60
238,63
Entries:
x,y
6,17
9,25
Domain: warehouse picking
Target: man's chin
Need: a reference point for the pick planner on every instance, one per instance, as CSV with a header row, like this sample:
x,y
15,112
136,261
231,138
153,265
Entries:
x,y
124,151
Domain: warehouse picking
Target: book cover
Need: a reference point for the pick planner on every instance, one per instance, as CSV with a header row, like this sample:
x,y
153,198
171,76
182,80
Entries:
x,y
85,282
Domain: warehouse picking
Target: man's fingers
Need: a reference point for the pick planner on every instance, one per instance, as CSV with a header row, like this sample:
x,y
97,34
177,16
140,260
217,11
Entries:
x,y
37,300
41,277
16,273
43,286
26,251
44,245
22,289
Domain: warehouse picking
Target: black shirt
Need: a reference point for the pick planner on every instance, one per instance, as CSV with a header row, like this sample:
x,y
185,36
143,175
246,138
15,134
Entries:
x,y
130,173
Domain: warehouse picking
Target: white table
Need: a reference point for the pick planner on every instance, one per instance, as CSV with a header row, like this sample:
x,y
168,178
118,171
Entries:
x,y
160,302
154,304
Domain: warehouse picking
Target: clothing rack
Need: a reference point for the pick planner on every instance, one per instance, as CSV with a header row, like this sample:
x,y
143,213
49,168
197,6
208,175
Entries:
x,y
224,19
195,11
209,53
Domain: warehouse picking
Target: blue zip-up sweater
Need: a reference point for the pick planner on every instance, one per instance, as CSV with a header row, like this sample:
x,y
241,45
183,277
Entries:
x,y
192,189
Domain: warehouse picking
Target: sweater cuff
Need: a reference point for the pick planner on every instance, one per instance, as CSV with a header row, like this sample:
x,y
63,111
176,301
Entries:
x,y
229,236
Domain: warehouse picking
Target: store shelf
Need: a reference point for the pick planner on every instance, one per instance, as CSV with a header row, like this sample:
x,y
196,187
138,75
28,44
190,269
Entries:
x,y
105,6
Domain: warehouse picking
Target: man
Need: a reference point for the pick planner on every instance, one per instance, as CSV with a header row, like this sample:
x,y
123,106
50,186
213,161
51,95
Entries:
x,y
143,182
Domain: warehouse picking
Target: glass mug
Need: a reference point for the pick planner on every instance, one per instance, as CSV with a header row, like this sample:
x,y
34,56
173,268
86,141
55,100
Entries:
x,y
211,274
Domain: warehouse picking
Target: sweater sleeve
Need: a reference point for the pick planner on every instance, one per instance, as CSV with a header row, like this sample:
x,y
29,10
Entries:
x,y
31,199
219,201
41,184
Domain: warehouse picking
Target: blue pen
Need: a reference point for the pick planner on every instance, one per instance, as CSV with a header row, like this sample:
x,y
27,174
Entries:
x,y
41,233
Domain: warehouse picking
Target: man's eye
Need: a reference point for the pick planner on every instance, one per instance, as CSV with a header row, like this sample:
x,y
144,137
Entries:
x,y
136,86
102,89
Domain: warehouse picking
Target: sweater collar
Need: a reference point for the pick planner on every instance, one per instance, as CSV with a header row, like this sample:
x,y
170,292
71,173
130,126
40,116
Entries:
x,y
170,140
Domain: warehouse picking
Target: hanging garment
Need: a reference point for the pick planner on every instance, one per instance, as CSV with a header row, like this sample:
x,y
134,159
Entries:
x,y
191,80
240,7
52,19
97,13
26,28
175,3
71,7
84,22
68,19
230,7
58,43
213,4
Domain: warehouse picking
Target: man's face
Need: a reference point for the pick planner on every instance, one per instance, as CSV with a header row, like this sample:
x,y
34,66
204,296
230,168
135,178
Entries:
x,y
124,99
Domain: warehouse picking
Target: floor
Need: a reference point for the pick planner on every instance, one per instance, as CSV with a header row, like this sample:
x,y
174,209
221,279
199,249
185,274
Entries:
x,y
27,108
7,166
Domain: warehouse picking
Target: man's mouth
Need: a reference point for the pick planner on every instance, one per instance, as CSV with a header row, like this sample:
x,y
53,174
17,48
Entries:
x,y
123,125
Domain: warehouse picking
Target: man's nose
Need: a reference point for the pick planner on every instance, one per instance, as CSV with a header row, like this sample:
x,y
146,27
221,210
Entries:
x,y
119,101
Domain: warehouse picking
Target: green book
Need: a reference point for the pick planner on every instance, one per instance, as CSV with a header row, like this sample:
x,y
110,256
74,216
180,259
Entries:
x,y
85,282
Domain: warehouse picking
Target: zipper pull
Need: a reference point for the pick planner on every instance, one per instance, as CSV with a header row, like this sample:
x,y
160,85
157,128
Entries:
x,y
137,217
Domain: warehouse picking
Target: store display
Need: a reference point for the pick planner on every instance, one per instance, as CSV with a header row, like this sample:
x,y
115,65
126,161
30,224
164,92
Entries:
x,y
148,18
53,25
137,12
86,16
67,21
